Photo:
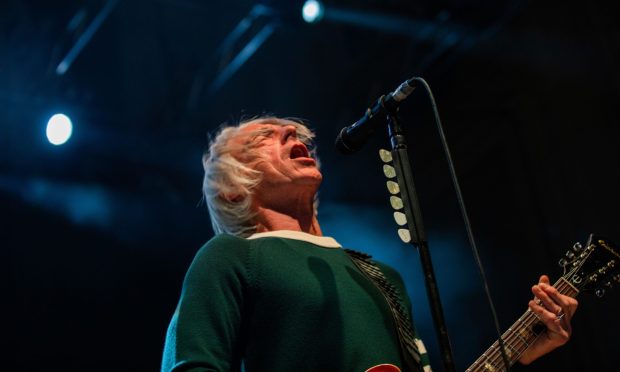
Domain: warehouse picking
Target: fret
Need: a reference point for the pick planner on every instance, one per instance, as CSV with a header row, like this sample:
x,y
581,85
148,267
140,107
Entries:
x,y
510,351
489,366
584,268
513,338
516,340
497,353
479,363
566,288
521,338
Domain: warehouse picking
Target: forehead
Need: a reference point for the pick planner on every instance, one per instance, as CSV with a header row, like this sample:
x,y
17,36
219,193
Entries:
x,y
252,128
265,124
247,132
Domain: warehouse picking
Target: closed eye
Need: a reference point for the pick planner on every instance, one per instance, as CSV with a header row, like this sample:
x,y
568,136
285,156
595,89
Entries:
x,y
289,135
260,136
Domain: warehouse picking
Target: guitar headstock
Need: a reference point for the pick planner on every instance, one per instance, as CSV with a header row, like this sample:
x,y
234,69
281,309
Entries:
x,y
595,267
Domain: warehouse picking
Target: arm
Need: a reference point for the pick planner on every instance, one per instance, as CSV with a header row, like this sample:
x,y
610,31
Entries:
x,y
205,330
555,311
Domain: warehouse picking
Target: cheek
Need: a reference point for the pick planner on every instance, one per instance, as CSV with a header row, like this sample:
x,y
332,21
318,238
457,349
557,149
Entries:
x,y
272,169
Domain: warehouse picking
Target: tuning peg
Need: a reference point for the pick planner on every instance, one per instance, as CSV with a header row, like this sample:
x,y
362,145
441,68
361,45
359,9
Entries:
x,y
570,255
562,262
577,247
385,155
600,292
608,284
611,263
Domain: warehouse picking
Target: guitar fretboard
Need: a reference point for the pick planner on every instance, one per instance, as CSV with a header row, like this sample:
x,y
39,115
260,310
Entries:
x,y
518,337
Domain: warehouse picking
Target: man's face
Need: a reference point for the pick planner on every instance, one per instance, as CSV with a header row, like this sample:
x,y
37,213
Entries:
x,y
283,159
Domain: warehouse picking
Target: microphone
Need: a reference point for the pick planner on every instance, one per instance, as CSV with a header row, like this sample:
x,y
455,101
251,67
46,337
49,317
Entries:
x,y
352,138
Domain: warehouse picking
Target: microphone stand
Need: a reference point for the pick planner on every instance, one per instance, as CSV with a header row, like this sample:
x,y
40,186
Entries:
x,y
416,229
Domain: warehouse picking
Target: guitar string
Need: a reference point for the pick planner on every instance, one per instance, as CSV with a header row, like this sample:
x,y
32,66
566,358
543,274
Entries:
x,y
491,357
511,337
514,339
529,319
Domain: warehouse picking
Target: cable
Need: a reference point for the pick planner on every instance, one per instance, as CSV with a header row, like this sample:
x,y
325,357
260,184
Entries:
x,y
470,233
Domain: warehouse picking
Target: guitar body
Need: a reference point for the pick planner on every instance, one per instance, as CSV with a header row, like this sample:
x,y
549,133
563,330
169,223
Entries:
x,y
383,368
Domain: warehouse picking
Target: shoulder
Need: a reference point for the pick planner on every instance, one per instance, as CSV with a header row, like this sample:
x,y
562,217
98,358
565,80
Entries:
x,y
225,240
221,251
390,272
223,244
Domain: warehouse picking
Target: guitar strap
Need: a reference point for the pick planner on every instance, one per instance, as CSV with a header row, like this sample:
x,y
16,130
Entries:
x,y
409,349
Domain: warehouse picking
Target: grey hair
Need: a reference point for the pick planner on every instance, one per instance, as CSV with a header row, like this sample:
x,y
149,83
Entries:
x,y
230,179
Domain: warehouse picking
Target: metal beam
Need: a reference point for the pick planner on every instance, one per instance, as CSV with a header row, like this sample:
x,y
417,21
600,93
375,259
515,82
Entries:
x,y
85,37
242,57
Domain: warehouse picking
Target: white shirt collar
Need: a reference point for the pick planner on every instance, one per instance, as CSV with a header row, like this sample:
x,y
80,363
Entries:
x,y
323,241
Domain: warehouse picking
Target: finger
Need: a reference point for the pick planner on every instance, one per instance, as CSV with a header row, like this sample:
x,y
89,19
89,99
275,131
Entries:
x,y
564,322
549,319
541,293
544,279
567,303
574,304
558,329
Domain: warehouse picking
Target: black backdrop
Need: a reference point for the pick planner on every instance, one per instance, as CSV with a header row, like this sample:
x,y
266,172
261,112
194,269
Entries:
x,y
97,235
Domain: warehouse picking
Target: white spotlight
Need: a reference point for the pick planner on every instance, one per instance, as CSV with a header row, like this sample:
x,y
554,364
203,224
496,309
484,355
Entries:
x,y
312,11
59,129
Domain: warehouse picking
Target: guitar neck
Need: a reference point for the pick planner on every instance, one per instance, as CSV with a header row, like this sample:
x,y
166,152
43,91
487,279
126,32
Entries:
x,y
518,337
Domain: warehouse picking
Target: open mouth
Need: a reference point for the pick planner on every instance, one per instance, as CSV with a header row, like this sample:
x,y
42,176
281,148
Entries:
x,y
299,151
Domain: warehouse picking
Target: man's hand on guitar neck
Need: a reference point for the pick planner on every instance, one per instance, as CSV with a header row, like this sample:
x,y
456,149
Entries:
x,y
555,311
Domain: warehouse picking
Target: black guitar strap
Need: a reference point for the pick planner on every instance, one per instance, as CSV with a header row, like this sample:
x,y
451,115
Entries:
x,y
409,349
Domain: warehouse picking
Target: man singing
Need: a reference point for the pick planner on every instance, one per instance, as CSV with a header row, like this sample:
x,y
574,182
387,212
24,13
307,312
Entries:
x,y
271,292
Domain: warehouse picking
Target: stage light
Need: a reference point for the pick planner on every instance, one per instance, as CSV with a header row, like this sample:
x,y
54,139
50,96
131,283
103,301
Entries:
x,y
59,129
312,11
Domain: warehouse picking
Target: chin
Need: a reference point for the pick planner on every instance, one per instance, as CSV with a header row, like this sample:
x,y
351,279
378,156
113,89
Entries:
x,y
318,176
313,179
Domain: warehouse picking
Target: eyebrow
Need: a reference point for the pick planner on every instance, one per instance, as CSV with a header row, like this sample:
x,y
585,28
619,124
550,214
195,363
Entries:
x,y
265,131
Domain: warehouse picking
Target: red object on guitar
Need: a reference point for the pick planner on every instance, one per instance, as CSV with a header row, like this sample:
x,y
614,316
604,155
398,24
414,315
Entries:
x,y
384,368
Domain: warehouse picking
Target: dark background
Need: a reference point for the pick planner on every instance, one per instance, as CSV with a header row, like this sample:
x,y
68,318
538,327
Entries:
x,y
96,235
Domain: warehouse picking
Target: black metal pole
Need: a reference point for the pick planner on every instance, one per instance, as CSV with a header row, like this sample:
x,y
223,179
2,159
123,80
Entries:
x,y
418,236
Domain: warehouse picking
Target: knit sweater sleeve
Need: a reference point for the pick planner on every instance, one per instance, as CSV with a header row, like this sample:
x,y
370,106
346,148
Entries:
x,y
205,333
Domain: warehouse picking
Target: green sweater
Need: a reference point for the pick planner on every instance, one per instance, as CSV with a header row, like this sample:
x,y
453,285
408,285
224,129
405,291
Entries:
x,y
294,303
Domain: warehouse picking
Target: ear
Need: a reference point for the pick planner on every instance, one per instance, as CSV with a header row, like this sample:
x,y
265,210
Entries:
x,y
231,197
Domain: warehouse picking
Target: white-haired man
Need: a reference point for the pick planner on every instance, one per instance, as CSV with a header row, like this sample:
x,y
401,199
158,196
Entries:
x,y
271,292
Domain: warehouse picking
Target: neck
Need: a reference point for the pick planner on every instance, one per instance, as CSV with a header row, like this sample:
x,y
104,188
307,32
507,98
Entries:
x,y
291,213
272,220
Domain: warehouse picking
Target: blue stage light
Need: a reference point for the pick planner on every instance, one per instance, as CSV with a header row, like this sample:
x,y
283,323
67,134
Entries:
x,y
59,129
312,11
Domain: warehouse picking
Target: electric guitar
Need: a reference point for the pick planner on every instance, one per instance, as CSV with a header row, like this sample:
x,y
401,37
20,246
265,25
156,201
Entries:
x,y
595,268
